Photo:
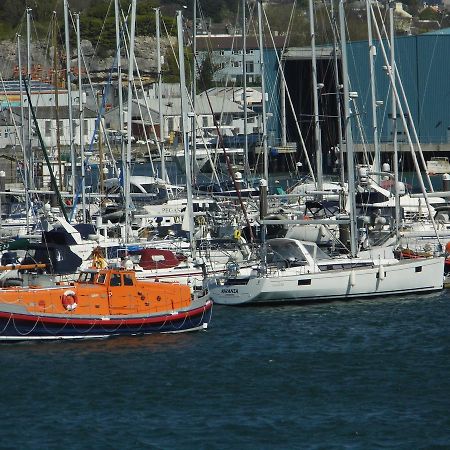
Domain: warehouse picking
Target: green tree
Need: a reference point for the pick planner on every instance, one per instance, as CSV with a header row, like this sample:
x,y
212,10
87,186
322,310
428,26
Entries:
x,y
430,14
206,73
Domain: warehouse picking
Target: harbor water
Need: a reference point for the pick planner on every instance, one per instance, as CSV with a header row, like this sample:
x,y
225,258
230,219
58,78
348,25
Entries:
x,y
364,374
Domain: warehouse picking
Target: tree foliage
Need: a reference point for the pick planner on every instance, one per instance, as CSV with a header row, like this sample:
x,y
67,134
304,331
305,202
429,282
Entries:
x,y
206,74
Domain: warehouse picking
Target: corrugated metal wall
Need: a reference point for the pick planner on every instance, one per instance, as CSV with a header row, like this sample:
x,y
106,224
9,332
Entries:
x,y
424,65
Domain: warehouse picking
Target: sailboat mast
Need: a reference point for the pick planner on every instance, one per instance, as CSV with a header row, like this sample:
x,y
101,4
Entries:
x,y
394,122
161,117
22,119
194,88
348,135
317,133
338,95
69,96
372,53
127,174
244,85
30,155
119,82
184,120
56,83
263,92
81,119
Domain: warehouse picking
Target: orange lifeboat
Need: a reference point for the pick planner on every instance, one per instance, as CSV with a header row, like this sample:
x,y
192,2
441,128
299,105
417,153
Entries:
x,y
101,303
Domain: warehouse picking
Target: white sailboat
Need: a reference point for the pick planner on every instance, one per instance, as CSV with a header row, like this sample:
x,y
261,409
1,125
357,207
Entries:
x,y
297,271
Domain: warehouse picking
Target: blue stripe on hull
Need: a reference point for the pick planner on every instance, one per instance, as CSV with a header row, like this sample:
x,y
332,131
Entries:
x,y
12,329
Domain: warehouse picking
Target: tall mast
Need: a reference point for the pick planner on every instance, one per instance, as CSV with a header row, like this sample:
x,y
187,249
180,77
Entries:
x,y
30,155
338,95
81,118
348,134
161,117
56,83
317,134
244,85
69,96
24,152
394,120
184,120
263,92
127,174
119,82
372,53
194,88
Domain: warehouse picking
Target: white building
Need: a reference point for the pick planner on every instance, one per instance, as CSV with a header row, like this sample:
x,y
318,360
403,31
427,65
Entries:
x,y
47,117
227,113
8,136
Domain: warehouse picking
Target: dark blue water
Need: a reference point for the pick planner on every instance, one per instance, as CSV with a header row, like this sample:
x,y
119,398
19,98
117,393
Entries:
x,y
361,375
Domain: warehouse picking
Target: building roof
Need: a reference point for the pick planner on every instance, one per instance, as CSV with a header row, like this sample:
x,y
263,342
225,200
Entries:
x,y
35,86
443,31
49,112
113,112
228,42
223,90
172,107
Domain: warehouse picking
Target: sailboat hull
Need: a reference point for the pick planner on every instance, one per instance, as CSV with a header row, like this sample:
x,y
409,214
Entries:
x,y
425,275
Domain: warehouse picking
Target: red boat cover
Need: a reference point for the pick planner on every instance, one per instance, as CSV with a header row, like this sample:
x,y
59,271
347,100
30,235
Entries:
x,y
153,258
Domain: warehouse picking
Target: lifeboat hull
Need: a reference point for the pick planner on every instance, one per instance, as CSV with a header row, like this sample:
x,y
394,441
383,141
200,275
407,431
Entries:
x,y
16,326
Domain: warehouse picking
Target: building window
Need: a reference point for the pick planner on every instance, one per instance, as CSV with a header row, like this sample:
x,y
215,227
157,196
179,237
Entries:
x,y
170,123
48,128
222,53
205,121
61,128
227,119
236,64
249,66
85,128
249,52
236,52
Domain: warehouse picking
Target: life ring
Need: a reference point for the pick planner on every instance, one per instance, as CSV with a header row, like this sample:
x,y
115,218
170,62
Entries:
x,y
237,234
69,300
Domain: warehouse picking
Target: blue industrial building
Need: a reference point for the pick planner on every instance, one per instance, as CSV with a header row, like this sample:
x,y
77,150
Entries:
x,y
424,67
423,63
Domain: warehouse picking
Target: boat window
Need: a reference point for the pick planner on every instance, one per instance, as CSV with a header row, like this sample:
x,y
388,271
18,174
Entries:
x,y
127,280
115,280
101,278
86,277
149,188
285,251
316,252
